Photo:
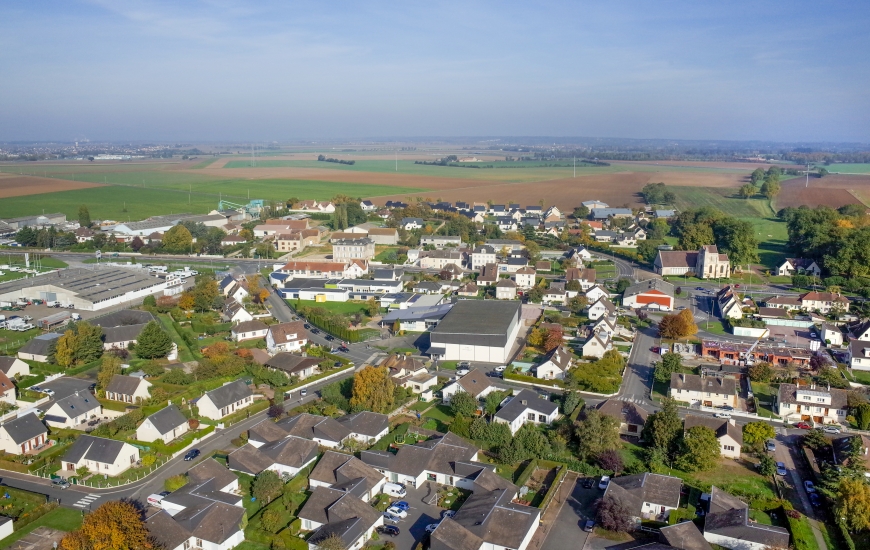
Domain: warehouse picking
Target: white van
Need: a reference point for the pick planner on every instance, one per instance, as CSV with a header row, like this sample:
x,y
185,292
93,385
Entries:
x,y
155,500
394,490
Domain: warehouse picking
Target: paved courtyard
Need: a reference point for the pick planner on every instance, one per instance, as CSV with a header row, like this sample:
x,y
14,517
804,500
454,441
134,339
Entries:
x,y
421,514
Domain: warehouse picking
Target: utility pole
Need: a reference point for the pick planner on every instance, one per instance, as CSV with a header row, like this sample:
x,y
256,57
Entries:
x,y
575,166
397,160
808,175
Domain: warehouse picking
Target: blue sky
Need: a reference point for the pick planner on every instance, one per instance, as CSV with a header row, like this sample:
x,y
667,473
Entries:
x,y
220,70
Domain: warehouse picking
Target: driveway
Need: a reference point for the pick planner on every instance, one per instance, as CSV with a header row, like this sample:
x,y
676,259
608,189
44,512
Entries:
x,y
567,529
413,528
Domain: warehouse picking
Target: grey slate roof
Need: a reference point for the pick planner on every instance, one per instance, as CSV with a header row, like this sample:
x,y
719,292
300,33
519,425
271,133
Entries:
x,y
526,399
685,536
125,385
77,404
292,451
697,383
366,423
291,363
310,426
123,333
650,284
343,514
476,322
720,426
624,411
97,449
210,470
346,473
653,488
167,419
443,454
123,318
735,524
249,326
25,428
229,394
6,363
39,345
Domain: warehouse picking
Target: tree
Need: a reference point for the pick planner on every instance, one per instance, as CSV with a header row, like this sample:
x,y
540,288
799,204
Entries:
x,y
757,176
372,390
64,349
679,325
84,216
186,302
862,416
747,191
275,411
177,239
461,426
536,337
115,525
614,514
611,460
554,338
572,401
110,366
205,293
761,372
149,301
331,542
771,188
815,440
266,486
492,401
737,239
853,503
699,450
372,307
670,363
271,520
766,466
463,404
622,284
596,433
153,342
662,428
756,433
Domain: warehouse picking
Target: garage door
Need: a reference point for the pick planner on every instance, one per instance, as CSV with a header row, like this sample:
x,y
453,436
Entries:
x,y
48,296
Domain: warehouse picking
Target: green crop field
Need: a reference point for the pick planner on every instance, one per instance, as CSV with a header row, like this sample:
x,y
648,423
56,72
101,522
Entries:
x,y
722,198
849,168
772,235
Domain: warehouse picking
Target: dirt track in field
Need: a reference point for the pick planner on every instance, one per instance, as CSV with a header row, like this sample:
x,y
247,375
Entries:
x,y
699,164
834,190
12,185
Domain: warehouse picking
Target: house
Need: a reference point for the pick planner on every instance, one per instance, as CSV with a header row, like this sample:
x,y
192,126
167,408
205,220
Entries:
x,y
556,364
205,513
37,349
595,204
234,312
225,400
648,496
803,266
490,519
316,270
819,404
728,525
296,240
488,275
527,407
368,206
858,355
7,389
706,263
446,459
468,289
586,277
409,224
656,294
346,473
831,334
294,365
505,245
858,330
166,424
506,289
525,277
395,204
578,252
601,308
824,302
427,287
607,213
631,417
73,411
512,264
353,249
708,391
325,207
290,336
476,383
99,455
728,303
477,330
409,372
440,241
366,426
595,293
21,435
597,345
335,513
284,457
128,389
249,330
555,294
323,430
729,435
789,303
665,214
439,259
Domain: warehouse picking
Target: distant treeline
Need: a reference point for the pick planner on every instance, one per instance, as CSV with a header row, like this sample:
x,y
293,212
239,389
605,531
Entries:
x,y
321,158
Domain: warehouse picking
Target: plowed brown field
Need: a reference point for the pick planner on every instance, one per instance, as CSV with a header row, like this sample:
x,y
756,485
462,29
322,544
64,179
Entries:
x,y
12,185
834,190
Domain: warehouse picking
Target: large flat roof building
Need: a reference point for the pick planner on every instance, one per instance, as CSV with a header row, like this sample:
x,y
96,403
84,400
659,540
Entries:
x,y
477,330
85,289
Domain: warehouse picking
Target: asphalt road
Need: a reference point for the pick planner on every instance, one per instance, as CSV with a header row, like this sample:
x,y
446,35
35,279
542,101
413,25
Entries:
x,y
637,380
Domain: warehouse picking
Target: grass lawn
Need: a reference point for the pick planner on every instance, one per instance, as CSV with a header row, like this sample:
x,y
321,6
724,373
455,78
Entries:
x,y
772,236
11,340
62,519
764,397
849,168
862,377
724,199
739,478
346,308
382,256
714,326
420,406
250,545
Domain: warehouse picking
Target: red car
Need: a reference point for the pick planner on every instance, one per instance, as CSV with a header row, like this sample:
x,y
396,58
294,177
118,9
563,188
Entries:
x,y
802,425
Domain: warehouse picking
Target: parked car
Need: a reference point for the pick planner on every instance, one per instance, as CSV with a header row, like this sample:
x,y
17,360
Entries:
x,y
770,446
62,483
307,326
392,518
344,349
588,526
315,331
191,454
92,387
815,500
401,505
780,469
500,368
48,391
722,415
831,430
605,481
448,514
303,392
431,527
330,337
402,514
389,530
808,485
802,426
589,482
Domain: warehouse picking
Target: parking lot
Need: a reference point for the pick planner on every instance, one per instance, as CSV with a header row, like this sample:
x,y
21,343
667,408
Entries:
x,y
413,528
567,531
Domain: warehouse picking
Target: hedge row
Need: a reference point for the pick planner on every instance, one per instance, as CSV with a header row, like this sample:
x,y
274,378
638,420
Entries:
x,y
34,514
554,487
210,329
533,380
526,473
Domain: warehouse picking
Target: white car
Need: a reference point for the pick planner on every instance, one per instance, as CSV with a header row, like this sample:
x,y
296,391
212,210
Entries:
x,y
605,481
48,391
462,372
398,512
723,415
831,430
500,368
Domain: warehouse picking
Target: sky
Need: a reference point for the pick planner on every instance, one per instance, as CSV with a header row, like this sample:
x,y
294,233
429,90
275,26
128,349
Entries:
x,y
215,70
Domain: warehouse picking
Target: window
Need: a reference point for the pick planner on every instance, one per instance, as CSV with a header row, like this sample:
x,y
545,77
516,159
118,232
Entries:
x,y
729,447
542,418
530,416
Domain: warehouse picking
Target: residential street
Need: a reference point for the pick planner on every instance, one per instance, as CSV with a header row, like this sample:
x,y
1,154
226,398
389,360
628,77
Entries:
x,y
788,452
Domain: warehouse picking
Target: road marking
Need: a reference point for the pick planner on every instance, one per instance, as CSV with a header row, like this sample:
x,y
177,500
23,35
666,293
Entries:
x,y
85,501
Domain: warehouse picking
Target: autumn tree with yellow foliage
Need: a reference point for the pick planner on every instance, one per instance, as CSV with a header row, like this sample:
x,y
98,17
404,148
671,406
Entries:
x,y
115,525
372,390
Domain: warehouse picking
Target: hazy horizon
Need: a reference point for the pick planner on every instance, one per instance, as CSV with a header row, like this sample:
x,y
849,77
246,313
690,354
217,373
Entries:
x,y
216,71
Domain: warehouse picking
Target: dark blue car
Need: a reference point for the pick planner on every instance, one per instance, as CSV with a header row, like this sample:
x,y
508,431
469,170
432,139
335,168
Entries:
x,y
191,454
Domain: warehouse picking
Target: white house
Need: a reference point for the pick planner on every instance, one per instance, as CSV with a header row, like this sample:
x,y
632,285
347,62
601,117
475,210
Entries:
x,y
366,426
601,308
650,496
249,330
284,457
332,512
832,335
348,473
294,365
99,455
323,430
166,424
128,389
729,435
597,345
821,405
225,400
286,337
595,293
798,265
505,289
12,366
824,302
7,389
527,407
73,411
235,313
525,277
709,391
555,365
23,434
476,383
727,525
482,255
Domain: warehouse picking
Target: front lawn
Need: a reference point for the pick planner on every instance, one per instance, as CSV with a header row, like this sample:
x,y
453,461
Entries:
x,y
345,308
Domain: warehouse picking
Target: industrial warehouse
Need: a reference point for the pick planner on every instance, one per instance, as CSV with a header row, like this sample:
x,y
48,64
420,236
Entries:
x,y
84,289
477,330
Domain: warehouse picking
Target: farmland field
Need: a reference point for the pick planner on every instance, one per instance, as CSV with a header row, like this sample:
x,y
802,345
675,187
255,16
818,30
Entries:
x,y
833,190
849,168
723,199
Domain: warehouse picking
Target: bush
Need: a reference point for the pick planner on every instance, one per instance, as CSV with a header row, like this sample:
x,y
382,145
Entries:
x,y
178,376
175,483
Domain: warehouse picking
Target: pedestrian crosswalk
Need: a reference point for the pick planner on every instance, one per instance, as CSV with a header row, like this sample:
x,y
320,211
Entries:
x,y
86,501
